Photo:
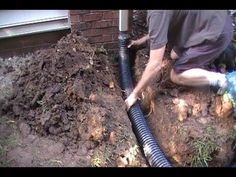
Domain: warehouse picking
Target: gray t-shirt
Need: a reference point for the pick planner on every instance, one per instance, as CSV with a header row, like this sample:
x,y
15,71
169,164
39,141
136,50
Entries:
x,y
184,28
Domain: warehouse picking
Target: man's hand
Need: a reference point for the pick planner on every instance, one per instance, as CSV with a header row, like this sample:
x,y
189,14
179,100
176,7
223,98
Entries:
x,y
134,43
132,98
139,42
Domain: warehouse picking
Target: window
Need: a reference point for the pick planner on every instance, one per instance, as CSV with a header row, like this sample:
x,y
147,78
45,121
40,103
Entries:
x,y
21,22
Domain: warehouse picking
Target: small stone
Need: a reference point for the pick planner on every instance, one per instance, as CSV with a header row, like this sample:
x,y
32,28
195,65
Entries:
x,y
56,148
174,93
93,97
112,138
111,85
121,162
202,120
235,127
24,129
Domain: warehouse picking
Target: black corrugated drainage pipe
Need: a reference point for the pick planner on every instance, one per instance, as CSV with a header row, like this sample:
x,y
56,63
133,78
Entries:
x,y
151,149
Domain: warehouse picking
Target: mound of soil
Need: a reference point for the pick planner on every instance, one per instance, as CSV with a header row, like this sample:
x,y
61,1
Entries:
x,y
193,126
69,93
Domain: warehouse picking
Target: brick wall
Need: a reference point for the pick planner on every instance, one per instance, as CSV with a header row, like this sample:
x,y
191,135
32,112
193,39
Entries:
x,y
99,26
29,43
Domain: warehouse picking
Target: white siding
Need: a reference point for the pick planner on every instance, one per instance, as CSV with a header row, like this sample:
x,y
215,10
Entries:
x,y
21,22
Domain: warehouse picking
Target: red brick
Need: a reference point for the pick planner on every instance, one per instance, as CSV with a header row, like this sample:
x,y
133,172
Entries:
x,y
92,17
102,24
100,31
111,45
115,36
75,18
99,11
92,32
84,11
72,12
115,22
84,26
79,12
103,38
111,14
111,30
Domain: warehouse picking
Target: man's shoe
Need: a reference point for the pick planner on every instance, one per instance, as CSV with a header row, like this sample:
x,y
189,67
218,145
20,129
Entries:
x,y
231,86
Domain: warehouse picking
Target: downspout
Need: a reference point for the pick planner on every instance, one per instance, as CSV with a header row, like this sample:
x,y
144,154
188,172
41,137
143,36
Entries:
x,y
150,147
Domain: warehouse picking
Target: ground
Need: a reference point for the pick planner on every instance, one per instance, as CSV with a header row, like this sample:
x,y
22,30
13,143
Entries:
x,y
63,106
193,125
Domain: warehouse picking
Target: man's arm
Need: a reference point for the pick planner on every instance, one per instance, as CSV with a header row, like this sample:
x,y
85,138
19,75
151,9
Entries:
x,y
139,42
153,67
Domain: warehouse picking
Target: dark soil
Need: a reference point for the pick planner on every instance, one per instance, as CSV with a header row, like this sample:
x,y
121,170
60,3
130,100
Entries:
x,y
68,98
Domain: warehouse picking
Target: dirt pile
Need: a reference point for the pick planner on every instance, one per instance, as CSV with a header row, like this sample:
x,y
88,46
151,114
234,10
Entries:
x,y
70,93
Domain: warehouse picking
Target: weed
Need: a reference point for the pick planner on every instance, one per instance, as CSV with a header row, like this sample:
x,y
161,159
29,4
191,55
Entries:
x,y
3,120
210,130
55,163
43,104
2,150
232,134
97,160
203,148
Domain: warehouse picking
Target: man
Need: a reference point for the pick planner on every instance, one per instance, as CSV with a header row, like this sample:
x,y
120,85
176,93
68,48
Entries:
x,y
197,38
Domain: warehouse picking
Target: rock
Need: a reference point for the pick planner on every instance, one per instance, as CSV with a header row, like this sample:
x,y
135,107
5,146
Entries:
x,y
174,92
16,109
93,97
30,139
121,162
235,127
181,109
111,85
82,150
203,120
24,129
112,138
54,131
223,106
56,148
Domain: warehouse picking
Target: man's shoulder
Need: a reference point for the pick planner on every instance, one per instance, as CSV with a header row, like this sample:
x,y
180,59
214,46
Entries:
x,y
159,12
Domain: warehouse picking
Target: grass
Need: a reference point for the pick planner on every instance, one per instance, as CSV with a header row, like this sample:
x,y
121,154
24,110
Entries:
x,y
232,134
204,148
97,160
210,130
55,163
7,142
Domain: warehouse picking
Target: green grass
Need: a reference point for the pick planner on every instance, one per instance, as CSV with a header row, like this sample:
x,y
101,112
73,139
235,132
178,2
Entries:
x,y
210,130
232,134
6,143
55,163
97,160
204,148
